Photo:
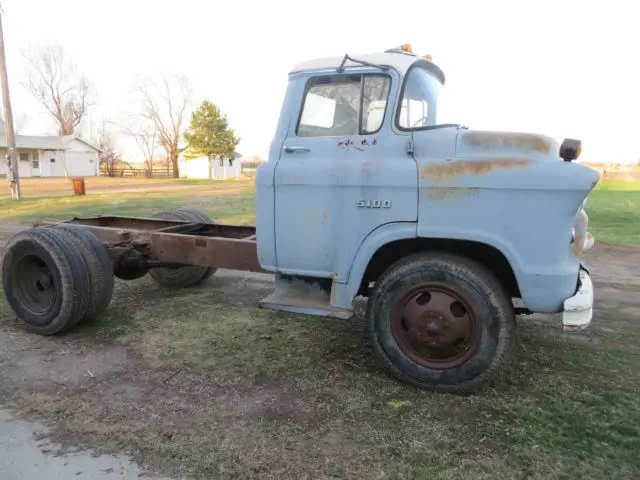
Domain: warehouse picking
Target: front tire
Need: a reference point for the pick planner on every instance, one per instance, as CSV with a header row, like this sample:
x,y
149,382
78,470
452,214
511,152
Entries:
x,y
442,322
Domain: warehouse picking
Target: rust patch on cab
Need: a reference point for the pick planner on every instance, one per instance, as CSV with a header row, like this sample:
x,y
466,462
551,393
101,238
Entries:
x,y
528,141
470,167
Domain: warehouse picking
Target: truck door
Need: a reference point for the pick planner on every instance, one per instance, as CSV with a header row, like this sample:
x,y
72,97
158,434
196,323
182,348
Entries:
x,y
342,172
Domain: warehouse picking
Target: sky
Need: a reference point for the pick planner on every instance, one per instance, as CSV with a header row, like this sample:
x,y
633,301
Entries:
x,y
562,68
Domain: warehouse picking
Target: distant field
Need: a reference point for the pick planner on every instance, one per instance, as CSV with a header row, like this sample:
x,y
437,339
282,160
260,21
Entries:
x,y
613,207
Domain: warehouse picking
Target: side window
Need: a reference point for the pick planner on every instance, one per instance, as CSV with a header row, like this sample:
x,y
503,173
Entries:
x,y
414,109
344,105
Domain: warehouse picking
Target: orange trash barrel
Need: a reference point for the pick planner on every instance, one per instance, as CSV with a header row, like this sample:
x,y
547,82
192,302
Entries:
x,y
78,186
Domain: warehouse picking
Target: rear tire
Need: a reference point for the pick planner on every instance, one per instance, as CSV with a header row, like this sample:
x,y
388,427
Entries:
x,y
200,216
441,322
45,280
99,266
178,277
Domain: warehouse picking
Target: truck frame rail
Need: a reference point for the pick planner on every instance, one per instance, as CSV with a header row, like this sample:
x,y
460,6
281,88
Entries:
x,y
150,242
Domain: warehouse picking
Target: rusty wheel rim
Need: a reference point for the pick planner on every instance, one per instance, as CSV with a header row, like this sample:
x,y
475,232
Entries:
x,y
35,284
435,326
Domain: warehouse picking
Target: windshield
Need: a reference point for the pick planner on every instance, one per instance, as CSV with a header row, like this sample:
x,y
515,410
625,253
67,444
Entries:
x,y
419,100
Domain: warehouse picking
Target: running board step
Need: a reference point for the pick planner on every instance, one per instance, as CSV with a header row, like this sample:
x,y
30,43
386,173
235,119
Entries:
x,y
308,296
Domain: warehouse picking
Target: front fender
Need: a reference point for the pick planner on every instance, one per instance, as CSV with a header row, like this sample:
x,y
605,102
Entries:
x,y
478,236
540,285
343,293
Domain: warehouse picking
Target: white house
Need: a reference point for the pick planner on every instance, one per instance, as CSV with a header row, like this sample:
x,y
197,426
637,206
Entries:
x,y
221,169
51,157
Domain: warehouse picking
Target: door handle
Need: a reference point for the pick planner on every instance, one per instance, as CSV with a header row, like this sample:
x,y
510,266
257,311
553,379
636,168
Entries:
x,y
295,149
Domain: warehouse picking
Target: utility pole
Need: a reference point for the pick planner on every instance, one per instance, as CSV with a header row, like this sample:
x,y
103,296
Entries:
x,y
13,176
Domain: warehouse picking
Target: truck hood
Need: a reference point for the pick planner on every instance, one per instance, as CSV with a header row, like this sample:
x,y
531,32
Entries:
x,y
479,143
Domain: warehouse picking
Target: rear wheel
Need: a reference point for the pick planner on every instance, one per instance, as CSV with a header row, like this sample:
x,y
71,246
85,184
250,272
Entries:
x,y
200,216
99,266
442,322
182,276
45,280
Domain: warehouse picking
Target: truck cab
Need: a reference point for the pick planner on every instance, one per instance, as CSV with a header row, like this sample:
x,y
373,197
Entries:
x,y
439,226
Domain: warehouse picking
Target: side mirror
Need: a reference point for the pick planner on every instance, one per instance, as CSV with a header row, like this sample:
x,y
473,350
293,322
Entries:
x,y
570,149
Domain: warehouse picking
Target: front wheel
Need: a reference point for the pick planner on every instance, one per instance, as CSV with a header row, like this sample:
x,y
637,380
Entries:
x,y
442,322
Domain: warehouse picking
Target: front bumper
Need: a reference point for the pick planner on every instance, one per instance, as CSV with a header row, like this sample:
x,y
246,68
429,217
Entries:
x,y
578,310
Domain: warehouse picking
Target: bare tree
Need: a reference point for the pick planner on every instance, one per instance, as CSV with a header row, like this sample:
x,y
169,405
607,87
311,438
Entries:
x,y
145,134
55,82
102,137
165,104
19,122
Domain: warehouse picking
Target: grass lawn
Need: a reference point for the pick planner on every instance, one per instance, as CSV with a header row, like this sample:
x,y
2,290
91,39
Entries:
x,y
230,202
261,394
614,212
247,393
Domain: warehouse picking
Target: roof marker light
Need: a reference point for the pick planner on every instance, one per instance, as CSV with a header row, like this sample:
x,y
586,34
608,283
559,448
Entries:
x,y
404,48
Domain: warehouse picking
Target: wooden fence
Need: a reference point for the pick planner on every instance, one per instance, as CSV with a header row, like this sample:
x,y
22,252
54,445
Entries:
x,y
161,171
250,165
131,172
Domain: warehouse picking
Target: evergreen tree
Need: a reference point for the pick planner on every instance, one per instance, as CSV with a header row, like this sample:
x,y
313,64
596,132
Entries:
x,y
209,134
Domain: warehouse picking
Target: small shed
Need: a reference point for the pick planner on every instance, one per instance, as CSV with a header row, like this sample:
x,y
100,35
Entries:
x,y
51,156
221,168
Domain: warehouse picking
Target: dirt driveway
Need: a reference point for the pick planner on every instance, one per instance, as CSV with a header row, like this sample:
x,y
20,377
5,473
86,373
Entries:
x,y
187,394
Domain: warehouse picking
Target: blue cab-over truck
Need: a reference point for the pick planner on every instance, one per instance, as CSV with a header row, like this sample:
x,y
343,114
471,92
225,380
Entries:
x,y
447,232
